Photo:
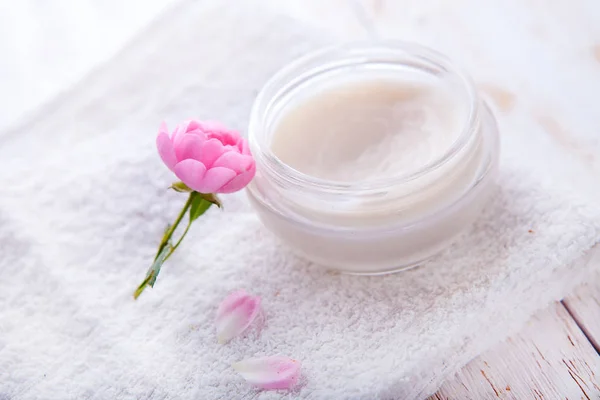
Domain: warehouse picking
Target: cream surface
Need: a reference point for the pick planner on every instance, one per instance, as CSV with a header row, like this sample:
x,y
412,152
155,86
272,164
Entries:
x,y
368,129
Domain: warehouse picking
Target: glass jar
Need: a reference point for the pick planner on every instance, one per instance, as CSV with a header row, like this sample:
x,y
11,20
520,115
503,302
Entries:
x,y
380,225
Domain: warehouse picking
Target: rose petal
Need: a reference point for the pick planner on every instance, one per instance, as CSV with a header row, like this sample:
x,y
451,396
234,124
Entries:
x,y
210,150
243,147
269,372
190,146
191,172
235,314
235,161
186,127
163,128
214,179
193,125
239,182
217,130
177,134
166,150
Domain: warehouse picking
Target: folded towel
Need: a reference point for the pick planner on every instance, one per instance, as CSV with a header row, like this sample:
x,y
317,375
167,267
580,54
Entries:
x,y
85,202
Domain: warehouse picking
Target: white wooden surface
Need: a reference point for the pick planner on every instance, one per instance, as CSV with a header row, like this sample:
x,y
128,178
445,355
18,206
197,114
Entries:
x,y
584,307
584,304
555,356
550,359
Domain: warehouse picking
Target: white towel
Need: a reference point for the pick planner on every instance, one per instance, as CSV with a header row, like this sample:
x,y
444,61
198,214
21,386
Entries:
x,y
84,203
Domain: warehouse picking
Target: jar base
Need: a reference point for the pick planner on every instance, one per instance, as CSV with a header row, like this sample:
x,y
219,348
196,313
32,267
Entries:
x,y
390,271
357,269
379,272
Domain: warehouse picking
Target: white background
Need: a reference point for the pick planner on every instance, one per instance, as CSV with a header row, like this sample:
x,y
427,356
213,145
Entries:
x,y
47,46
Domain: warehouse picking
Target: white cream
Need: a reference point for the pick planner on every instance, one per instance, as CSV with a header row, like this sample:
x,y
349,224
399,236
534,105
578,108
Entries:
x,y
369,129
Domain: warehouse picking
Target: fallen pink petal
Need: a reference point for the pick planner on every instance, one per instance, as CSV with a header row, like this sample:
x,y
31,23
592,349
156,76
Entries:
x,y
269,373
235,314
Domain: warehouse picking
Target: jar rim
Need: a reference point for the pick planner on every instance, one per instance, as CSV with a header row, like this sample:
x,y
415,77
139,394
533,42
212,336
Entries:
x,y
281,171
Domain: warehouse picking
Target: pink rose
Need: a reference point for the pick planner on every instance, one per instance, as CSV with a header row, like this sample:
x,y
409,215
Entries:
x,y
206,156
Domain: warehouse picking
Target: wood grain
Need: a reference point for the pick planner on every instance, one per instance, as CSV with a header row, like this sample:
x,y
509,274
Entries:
x,y
584,306
550,359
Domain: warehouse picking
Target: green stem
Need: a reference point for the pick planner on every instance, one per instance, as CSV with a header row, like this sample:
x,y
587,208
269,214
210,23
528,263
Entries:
x,y
173,248
187,228
167,236
162,248
141,287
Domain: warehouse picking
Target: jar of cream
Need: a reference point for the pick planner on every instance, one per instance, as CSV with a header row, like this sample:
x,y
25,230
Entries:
x,y
371,158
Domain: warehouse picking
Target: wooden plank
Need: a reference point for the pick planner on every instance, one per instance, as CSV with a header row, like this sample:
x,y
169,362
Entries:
x,y
584,306
550,359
